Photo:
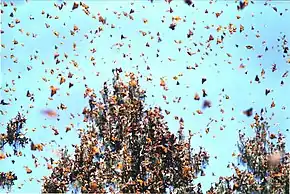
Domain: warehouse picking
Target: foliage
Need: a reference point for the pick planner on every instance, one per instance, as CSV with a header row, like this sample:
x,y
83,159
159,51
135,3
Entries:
x,y
15,138
7,179
128,148
14,135
266,160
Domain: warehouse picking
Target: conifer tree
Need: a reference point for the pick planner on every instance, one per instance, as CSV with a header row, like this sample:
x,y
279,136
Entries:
x,y
266,160
127,148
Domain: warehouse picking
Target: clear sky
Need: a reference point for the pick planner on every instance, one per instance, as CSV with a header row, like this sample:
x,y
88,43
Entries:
x,y
221,66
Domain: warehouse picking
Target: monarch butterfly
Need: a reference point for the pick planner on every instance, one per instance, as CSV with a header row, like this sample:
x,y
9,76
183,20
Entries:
x,y
243,4
49,113
248,112
196,96
75,6
28,170
62,80
53,90
188,2
2,156
206,104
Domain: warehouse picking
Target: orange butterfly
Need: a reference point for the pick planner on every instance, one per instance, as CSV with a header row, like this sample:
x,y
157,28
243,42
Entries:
x,y
53,90
49,113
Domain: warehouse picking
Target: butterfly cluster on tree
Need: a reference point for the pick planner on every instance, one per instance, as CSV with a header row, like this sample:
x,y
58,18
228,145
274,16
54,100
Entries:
x,y
266,160
15,138
127,148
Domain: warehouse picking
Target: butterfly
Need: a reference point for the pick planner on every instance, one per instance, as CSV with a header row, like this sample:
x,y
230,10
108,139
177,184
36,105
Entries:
x,y
242,4
248,112
49,113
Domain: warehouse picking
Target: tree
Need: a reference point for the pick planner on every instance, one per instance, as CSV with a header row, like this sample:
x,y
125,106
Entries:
x,y
127,148
15,138
268,164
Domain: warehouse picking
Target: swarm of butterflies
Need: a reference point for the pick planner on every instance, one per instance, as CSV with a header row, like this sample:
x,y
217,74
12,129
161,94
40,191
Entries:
x,y
16,136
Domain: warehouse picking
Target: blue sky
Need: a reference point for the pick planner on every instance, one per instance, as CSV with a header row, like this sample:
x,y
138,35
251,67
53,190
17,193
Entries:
x,y
220,70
